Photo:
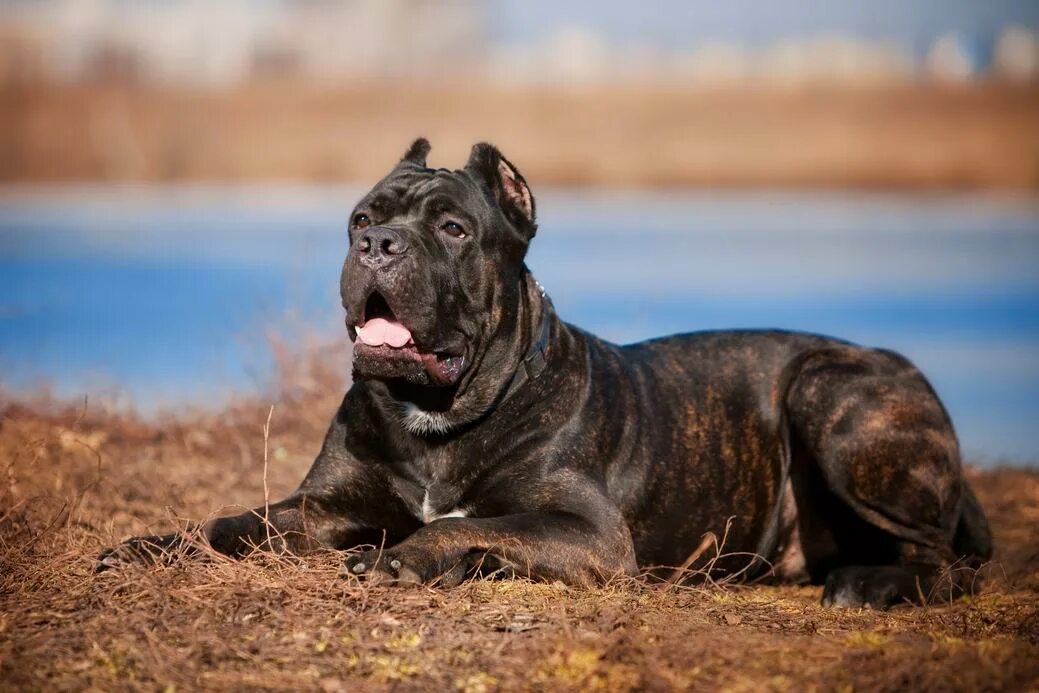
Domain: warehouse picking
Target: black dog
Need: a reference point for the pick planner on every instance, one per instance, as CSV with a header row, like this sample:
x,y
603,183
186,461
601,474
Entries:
x,y
484,434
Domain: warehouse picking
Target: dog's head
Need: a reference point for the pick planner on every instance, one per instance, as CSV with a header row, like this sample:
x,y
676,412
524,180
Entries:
x,y
435,267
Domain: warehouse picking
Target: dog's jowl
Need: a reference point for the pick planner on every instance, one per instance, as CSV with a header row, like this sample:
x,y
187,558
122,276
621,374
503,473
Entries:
x,y
482,434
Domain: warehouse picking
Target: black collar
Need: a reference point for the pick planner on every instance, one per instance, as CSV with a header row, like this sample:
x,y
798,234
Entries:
x,y
536,358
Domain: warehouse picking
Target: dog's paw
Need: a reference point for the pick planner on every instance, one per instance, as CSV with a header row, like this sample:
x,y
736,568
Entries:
x,y
389,567
403,566
140,551
872,587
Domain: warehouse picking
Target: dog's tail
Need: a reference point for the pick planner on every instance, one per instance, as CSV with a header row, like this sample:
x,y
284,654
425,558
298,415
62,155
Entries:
x,y
973,538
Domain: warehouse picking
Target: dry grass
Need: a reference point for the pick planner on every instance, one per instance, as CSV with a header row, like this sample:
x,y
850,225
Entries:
x,y
911,136
76,480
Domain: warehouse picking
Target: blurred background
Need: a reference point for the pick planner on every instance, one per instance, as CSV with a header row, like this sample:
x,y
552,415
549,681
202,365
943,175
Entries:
x,y
176,175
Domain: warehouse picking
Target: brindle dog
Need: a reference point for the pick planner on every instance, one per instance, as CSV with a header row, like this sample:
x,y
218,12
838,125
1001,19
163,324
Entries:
x,y
483,434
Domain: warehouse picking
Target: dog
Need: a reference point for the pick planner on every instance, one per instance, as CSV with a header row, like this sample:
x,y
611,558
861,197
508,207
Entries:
x,y
482,435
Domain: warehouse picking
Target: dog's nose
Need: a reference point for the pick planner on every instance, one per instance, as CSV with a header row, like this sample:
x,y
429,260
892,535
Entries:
x,y
380,245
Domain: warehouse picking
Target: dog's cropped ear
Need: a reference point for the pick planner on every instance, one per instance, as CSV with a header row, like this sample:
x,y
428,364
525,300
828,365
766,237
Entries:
x,y
508,185
417,152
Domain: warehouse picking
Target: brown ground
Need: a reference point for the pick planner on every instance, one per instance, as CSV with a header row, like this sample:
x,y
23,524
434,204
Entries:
x,y
76,480
918,137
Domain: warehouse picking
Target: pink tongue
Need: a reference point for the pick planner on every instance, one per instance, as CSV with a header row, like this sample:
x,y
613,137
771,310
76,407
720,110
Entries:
x,y
379,331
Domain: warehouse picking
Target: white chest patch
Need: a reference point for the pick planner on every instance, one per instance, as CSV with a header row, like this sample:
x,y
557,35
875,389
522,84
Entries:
x,y
429,514
422,422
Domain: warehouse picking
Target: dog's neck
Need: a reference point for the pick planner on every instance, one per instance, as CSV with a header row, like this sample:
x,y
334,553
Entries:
x,y
514,354
535,359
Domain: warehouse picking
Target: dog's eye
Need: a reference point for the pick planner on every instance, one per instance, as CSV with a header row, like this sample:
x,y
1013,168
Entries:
x,y
362,221
453,228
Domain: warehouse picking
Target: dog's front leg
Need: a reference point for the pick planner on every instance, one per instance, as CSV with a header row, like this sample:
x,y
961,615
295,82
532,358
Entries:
x,y
297,524
333,508
545,545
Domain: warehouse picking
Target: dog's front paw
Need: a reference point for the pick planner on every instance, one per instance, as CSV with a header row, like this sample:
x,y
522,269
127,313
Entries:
x,y
403,565
141,551
872,587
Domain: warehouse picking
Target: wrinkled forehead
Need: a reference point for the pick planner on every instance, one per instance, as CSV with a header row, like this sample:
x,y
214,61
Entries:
x,y
414,189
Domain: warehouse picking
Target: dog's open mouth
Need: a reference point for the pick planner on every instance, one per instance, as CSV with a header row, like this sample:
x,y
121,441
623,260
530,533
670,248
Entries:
x,y
382,335
381,327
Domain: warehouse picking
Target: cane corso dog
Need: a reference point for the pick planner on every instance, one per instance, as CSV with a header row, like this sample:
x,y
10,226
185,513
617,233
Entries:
x,y
482,434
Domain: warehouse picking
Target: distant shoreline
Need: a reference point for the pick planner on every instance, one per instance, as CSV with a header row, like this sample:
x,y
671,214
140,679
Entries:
x,y
891,137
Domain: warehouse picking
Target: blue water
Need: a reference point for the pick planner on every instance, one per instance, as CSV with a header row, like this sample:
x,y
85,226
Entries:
x,y
166,294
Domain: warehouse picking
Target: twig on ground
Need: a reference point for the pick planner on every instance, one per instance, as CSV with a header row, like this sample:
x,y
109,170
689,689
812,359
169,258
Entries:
x,y
266,486
708,539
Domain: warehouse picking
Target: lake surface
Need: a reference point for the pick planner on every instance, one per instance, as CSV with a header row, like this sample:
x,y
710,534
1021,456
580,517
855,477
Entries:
x,y
166,293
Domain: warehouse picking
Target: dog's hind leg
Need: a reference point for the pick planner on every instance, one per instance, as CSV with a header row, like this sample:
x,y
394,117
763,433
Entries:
x,y
875,432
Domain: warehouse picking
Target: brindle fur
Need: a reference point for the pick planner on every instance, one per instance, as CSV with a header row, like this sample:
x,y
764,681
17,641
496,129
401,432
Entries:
x,y
826,461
